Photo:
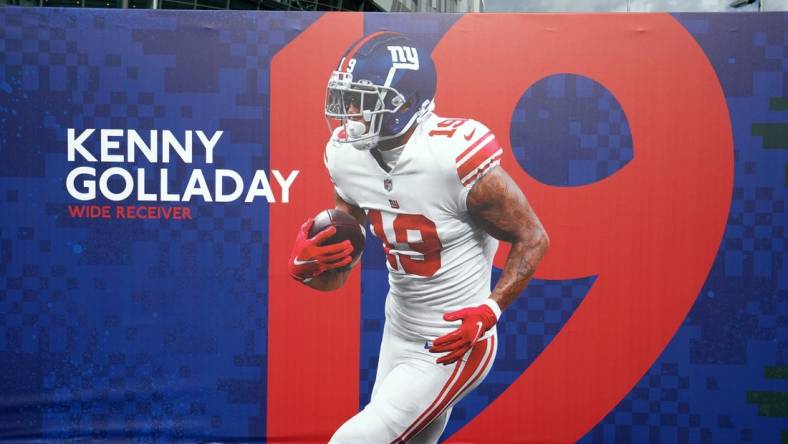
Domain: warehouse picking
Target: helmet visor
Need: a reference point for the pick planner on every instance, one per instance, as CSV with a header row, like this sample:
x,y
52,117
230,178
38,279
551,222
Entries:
x,y
361,101
346,98
343,103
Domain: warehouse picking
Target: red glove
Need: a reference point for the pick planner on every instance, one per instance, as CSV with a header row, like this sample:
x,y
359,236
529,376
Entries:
x,y
475,322
309,258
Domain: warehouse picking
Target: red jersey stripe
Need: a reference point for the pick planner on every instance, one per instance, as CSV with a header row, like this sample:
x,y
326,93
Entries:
x,y
474,145
478,158
494,160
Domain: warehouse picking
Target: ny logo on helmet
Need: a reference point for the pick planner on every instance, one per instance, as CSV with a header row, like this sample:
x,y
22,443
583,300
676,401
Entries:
x,y
404,57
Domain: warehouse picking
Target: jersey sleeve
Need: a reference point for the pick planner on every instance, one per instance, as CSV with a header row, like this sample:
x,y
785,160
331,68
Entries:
x,y
329,161
482,153
475,152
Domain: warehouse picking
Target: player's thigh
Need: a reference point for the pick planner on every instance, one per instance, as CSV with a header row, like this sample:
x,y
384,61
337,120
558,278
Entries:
x,y
393,349
416,400
365,427
398,398
413,401
432,432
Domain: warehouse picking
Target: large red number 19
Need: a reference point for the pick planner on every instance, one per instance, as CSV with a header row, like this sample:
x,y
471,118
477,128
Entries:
x,y
649,232
429,245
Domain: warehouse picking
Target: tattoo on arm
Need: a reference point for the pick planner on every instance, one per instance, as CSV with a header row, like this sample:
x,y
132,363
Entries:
x,y
499,207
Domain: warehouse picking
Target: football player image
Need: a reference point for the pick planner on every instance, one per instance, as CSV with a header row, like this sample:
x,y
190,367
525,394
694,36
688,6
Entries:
x,y
434,193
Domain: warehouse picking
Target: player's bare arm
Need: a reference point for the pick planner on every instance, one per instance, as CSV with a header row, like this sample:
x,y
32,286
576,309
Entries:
x,y
498,205
351,209
333,279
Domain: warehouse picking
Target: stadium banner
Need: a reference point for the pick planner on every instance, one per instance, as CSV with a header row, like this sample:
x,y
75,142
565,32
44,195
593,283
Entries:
x,y
156,166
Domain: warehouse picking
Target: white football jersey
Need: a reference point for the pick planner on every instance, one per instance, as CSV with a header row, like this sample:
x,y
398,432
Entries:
x,y
439,260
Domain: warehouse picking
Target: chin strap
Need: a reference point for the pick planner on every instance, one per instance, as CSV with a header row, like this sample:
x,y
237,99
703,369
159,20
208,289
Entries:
x,y
426,111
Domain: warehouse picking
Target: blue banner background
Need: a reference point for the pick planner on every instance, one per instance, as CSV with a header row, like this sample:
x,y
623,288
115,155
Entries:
x,y
156,330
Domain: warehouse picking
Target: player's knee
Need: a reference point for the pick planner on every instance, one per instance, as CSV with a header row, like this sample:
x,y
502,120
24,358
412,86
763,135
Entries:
x,y
345,435
364,428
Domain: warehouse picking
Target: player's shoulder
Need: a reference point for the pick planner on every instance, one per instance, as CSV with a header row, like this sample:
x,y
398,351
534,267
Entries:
x,y
453,134
465,146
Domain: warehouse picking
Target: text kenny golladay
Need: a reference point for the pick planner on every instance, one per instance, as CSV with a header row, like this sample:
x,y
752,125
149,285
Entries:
x,y
160,147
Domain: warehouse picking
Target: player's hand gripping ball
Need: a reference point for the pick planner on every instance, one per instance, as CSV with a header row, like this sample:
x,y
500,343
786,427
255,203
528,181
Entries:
x,y
332,240
347,229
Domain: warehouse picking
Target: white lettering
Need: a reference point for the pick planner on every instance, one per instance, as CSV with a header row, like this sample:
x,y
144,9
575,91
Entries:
x,y
404,57
142,196
236,193
165,195
75,145
285,183
168,140
148,150
260,187
128,185
209,144
89,184
197,186
107,144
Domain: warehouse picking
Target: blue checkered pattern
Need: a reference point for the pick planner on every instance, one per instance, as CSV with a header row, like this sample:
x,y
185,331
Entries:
x,y
569,130
148,331
155,331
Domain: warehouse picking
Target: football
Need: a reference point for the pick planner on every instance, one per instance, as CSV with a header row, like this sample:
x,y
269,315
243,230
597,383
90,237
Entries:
x,y
347,227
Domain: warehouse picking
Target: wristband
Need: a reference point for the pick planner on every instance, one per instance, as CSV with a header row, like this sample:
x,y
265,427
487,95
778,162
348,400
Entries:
x,y
494,307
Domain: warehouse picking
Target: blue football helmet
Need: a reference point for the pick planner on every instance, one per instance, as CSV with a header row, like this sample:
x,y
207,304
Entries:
x,y
383,85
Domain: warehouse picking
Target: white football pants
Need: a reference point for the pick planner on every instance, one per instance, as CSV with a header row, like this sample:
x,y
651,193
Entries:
x,y
413,396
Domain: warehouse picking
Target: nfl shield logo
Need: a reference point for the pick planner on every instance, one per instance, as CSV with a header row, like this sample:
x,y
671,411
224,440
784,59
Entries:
x,y
388,185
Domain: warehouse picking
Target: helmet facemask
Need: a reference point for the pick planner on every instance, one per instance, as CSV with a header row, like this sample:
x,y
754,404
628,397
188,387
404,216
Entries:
x,y
355,111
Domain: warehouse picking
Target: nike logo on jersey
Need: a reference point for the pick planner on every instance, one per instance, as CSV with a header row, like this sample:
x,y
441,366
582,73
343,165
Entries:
x,y
470,135
297,261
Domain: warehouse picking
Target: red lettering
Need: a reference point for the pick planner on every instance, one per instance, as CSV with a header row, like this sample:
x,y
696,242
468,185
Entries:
x,y
89,211
77,210
429,245
139,212
451,124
